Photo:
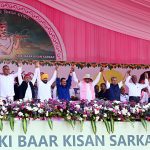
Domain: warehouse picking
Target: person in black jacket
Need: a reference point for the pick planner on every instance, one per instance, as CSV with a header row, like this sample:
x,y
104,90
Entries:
x,y
26,85
16,89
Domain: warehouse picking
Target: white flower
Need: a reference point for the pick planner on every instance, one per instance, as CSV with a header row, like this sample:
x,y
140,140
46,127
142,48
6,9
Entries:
x,y
35,109
38,104
96,111
95,105
61,110
128,113
133,110
20,100
119,112
145,107
137,110
110,109
20,114
97,118
105,108
3,108
2,113
29,108
85,115
105,115
117,107
40,111
124,111
85,108
100,106
90,109
77,106
16,109
1,117
1,102
47,113
116,102
80,119
68,117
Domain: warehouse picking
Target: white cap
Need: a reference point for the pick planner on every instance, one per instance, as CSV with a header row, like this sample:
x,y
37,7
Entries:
x,y
87,76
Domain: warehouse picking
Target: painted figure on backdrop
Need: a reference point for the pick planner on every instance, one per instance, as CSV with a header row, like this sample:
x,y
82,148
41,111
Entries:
x,y
24,38
8,43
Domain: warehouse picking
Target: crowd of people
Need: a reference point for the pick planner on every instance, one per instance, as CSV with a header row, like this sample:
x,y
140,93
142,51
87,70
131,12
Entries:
x,y
15,86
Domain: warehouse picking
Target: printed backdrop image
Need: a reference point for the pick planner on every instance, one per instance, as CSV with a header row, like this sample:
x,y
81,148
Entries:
x,y
23,38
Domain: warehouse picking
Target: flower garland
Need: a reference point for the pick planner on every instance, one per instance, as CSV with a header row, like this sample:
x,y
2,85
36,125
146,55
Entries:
x,y
79,64
73,111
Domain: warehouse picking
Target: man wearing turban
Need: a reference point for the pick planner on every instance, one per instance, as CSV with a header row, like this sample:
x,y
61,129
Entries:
x,y
44,85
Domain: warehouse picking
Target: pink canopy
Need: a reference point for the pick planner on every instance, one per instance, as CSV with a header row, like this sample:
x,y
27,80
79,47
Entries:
x,y
110,31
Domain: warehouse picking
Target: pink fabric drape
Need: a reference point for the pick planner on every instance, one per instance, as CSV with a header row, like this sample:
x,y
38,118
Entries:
x,y
87,42
131,17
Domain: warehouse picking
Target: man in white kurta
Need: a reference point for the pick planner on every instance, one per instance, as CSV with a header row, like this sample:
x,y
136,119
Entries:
x,y
135,87
44,86
7,84
88,84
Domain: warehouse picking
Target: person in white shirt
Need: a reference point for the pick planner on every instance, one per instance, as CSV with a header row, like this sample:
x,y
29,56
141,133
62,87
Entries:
x,y
123,96
135,87
87,85
144,95
44,86
26,85
7,84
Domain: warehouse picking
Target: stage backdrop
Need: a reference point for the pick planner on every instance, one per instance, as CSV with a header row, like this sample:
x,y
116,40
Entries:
x,y
74,39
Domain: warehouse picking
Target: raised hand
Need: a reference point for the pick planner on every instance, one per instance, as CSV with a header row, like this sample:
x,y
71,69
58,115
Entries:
x,y
101,69
72,69
129,72
146,75
37,64
56,67
19,64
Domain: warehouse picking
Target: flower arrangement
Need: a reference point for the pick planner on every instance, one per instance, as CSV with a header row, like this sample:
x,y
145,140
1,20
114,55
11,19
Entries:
x,y
73,111
78,64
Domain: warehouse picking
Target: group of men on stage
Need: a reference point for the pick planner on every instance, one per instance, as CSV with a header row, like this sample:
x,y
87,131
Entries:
x,y
88,88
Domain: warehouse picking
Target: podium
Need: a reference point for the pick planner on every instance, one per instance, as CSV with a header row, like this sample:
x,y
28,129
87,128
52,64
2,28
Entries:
x,y
63,136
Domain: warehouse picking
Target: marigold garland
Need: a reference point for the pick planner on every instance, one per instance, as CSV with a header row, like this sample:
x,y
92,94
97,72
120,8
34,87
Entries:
x,y
78,64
